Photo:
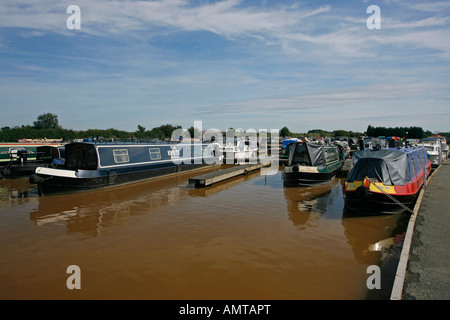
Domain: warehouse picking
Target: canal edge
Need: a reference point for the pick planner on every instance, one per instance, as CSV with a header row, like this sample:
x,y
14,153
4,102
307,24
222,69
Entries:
x,y
397,288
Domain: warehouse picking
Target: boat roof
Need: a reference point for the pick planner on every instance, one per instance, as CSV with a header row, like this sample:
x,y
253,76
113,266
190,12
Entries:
x,y
390,166
127,143
387,154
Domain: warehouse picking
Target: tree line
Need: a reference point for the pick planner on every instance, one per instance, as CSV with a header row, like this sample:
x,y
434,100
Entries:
x,y
402,132
47,126
285,132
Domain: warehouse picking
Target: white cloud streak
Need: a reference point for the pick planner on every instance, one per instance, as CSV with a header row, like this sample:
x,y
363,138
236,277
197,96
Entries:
x,y
227,17
334,34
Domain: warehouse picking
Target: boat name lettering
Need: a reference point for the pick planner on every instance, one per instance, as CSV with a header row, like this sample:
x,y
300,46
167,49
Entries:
x,y
173,153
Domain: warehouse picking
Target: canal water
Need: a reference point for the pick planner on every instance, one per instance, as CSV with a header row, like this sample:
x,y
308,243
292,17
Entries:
x,y
246,238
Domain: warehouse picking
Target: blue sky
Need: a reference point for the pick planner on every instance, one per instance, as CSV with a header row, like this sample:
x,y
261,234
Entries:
x,y
258,64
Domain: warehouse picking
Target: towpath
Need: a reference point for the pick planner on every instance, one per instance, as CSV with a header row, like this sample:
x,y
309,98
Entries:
x,y
428,271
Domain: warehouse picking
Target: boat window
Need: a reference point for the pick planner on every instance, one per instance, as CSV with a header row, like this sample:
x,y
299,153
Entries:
x,y
331,154
155,153
81,156
121,155
300,155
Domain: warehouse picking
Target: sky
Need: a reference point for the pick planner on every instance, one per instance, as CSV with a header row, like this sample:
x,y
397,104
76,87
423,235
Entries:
x,y
256,64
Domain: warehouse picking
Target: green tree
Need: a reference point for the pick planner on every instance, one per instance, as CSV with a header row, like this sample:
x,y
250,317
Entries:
x,y
141,129
46,121
284,132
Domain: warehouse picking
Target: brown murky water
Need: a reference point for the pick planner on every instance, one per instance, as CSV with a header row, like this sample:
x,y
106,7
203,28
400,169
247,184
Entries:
x,y
246,238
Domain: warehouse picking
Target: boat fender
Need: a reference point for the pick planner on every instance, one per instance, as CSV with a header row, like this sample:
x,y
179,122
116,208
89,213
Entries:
x,y
362,192
35,179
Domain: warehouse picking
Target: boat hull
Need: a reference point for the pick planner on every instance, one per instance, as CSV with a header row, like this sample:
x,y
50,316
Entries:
x,y
300,179
67,181
365,202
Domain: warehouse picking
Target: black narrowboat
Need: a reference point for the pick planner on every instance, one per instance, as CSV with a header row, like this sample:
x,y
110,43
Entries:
x,y
91,166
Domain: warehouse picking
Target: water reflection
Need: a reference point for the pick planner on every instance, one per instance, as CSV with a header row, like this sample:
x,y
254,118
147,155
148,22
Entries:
x,y
305,204
90,212
245,238
221,186
15,191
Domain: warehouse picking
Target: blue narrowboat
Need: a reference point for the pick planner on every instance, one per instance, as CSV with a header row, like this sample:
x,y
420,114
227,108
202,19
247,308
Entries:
x,y
91,166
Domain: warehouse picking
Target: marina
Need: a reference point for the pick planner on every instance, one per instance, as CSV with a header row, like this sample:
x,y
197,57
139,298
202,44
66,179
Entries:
x,y
219,231
225,155
247,237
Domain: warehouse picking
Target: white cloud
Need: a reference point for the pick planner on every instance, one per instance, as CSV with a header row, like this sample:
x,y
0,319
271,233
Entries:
x,y
328,99
227,17
430,6
330,35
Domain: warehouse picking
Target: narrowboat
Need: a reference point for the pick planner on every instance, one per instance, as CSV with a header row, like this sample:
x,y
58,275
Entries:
x,y
25,163
385,181
312,163
90,165
9,150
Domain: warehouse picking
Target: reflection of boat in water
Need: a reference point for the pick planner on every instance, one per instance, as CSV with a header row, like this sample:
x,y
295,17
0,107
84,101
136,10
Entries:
x,y
13,190
90,213
370,235
312,163
385,180
91,166
377,240
307,204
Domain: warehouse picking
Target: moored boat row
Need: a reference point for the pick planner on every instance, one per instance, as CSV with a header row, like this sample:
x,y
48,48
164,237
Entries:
x,y
91,166
385,177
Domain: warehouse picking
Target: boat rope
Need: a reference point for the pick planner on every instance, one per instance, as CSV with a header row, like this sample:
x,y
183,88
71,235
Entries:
x,y
390,196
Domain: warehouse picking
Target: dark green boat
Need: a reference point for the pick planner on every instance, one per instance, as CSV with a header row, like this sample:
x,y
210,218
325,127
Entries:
x,y
312,163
